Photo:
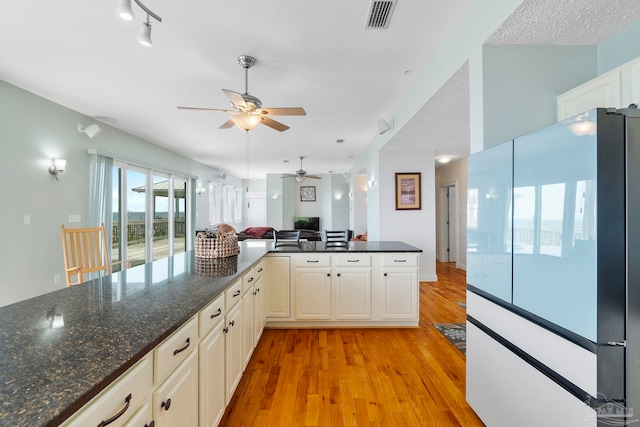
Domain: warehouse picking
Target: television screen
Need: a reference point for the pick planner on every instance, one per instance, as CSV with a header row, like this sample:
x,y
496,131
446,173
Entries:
x,y
306,223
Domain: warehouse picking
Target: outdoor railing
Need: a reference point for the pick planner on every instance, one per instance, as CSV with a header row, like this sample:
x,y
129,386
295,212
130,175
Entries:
x,y
136,230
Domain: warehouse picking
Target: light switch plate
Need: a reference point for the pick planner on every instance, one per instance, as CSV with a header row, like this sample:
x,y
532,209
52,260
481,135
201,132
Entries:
x,y
27,219
75,218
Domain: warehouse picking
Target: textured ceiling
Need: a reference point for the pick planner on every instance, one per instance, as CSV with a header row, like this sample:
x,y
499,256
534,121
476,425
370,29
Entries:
x,y
565,22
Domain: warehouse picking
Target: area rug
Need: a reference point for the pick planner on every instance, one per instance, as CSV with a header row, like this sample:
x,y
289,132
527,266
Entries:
x,y
456,333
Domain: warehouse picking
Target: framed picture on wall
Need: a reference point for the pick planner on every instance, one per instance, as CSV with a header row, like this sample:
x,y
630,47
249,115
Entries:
x,y
408,191
308,193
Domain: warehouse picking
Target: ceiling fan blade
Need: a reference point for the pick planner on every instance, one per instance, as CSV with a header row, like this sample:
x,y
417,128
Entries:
x,y
287,111
313,176
228,124
236,99
207,109
273,124
288,175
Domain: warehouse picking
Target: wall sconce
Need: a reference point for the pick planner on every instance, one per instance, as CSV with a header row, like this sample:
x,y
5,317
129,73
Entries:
x,y
91,131
338,196
222,175
57,166
371,183
200,191
384,126
275,196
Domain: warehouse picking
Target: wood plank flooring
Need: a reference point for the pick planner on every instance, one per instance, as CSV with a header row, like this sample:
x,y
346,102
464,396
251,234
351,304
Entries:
x,y
361,377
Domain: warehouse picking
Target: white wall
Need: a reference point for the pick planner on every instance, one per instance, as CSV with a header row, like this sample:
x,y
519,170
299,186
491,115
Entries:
x,y
453,173
415,227
359,200
32,131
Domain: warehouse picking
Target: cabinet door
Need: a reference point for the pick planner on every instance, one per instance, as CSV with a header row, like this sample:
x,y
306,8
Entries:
x,y
258,311
247,326
603,91
212,395
400,289
313,293
175,402
233,344
278,299
352,293
143,417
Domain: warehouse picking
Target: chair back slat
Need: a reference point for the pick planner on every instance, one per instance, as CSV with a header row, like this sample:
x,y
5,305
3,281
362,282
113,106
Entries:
x,y
337,238
85,250
286,238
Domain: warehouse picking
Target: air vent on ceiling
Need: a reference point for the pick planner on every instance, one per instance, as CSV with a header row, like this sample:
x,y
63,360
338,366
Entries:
x,y
379,14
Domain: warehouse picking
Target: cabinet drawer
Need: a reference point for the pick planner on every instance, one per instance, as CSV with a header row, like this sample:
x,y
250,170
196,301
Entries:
x,y
248,280
259,269
353,260
233,294
175,349
399,260
211,315
312,260
137,382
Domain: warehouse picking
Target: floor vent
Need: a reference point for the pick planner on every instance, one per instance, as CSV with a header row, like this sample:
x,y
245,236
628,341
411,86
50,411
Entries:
x,y
379,14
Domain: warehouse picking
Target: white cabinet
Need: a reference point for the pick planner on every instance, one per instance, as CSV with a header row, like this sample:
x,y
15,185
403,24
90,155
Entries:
x,y
248,323
400,286
616,88
313,293
258,310
233,349
175,402
352,293
143,416
212,395
278,284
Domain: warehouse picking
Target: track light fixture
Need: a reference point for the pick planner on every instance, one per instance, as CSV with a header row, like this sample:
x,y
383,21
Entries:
x,y
125,12
91,130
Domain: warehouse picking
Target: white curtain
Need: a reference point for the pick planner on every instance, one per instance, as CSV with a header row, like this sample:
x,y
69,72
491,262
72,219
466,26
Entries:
x,y
237,205
100,191
227,204
215,204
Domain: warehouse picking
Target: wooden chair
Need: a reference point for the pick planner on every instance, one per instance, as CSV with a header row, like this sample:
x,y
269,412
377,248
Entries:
x,y
286,238
85,251
337,238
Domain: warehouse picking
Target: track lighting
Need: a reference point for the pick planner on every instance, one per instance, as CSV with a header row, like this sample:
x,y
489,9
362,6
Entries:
x,y
125,12
144,38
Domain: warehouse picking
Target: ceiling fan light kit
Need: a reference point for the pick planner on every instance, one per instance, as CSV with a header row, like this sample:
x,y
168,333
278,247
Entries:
x,y
247,111
125,12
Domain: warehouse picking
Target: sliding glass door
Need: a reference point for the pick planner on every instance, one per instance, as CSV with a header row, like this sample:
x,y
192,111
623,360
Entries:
x,y
149,214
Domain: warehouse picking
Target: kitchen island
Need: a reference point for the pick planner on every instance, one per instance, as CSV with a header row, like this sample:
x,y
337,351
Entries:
x,y
61,349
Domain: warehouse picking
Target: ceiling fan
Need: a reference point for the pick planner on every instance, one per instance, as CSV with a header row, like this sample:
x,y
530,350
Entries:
x,y
247,112
300,174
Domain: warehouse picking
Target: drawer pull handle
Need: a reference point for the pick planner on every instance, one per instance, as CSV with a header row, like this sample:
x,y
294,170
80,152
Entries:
x,y
119,414
399,260
233,322
217,313
236,294
151,424
313,260
353,260
226,329
260,270
250,280
166,404
180,350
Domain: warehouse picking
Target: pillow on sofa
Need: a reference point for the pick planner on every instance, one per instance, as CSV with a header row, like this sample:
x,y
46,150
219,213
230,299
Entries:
x,y
257,232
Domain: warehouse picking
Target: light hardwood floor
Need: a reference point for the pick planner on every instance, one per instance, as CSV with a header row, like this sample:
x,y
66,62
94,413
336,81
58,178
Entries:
x,y
361,377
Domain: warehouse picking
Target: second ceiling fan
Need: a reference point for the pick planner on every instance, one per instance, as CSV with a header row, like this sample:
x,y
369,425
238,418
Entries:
x,y
300,174
247,112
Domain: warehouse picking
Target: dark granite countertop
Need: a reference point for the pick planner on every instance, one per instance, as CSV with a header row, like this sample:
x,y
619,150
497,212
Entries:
x,y
47,373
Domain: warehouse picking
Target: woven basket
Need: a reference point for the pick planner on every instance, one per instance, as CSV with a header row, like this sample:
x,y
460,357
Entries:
x,y
216,267
221,245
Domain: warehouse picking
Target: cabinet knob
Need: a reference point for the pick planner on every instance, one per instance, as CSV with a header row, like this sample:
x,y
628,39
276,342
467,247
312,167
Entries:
x,y
151,424
328,274
166,404
385,274
225,329
233,322
338,274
